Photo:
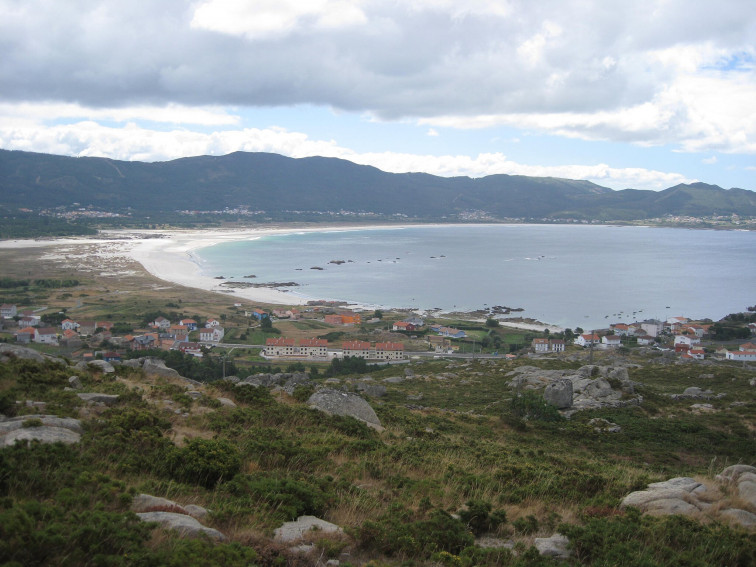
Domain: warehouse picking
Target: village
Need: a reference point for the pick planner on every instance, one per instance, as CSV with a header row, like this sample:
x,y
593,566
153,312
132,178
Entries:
x,y
678,336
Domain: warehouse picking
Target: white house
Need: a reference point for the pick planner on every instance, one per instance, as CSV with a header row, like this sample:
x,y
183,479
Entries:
x,y
541,345
697,353
587,340
214,334
161,323
313,347
69,325
279,346
688,340
644,340
652,328
46,335
212,323
741,355
610,341
8,311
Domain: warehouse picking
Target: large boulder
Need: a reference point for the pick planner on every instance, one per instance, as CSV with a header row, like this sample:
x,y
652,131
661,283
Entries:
x,y
292,531
42,428
102,366
559,394
96,398
185,525
346,404
555,546
154,365
8,350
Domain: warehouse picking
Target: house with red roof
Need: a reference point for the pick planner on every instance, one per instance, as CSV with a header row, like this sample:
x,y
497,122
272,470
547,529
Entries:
x,y
359,349
279,346
587,339
388,351
46,335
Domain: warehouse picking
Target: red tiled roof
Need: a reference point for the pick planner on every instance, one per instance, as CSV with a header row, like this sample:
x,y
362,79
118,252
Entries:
x,y
356,345
280,341
313,343
389,346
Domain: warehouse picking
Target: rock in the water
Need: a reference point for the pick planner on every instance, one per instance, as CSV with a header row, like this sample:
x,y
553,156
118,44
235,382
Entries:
x,y
559,394
95,398
346,404
554,546
292,531
102,366
183,524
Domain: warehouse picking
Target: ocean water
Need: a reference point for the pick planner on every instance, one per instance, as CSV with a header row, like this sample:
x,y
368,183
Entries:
x,y
582,275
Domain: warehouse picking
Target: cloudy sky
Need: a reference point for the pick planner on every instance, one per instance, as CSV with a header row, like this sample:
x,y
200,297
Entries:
x,y
643,94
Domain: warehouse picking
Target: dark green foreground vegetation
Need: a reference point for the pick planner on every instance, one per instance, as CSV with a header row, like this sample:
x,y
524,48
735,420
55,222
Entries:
x,y
506,466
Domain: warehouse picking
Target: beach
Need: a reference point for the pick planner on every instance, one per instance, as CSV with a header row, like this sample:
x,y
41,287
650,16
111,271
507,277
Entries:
x,y
169,255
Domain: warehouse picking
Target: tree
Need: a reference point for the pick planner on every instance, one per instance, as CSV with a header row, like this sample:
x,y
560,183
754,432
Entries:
x,y
378,314
266,324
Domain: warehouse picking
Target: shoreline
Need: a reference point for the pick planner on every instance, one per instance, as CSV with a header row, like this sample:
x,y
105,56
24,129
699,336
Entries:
x,y
169,255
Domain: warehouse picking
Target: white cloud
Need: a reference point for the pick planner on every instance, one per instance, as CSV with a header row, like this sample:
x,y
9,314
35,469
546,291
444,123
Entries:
x,y
710,160
265,19
432,132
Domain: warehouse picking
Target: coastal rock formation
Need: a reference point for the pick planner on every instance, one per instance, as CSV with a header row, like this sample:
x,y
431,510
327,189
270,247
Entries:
x,y
292,531
42,428
734,499
346,404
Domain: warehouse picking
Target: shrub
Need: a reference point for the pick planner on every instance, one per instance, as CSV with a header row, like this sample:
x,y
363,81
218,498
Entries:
x,y
531,406
479,519
205,462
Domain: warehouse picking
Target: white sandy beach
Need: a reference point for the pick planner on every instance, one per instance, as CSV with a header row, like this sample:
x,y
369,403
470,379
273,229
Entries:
x,y
169,255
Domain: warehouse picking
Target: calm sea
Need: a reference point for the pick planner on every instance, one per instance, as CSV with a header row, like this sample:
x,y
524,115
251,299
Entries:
x,y
586,276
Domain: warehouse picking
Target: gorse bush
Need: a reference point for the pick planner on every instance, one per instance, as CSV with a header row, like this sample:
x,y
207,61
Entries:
x,y
204,461
479,518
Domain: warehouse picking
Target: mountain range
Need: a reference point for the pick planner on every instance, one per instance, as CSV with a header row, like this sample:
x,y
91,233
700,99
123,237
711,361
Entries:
x,y
274,183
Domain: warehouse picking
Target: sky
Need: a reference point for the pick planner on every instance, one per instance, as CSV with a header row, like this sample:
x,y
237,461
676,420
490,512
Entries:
x,y
643,94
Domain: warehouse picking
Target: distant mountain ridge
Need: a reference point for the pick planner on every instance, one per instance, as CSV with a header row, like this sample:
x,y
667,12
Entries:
x,y
274,183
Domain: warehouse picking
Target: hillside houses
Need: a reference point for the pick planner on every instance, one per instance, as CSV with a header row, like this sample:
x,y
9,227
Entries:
x,y
317,349
348,320
587,339
281,347
8,311
547,345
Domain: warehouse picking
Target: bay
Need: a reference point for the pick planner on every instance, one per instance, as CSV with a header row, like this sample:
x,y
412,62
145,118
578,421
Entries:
x,y
567,275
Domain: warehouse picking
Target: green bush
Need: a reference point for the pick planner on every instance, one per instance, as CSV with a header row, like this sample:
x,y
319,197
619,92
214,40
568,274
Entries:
x,y
204,461
532,406
479,519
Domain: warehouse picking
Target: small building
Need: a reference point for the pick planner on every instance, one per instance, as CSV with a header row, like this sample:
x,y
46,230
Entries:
x,y
741,355
211,323
195,349
279,346
696,353
46,335
689,340
620,329
111,356
28,321
69,325
25,336
316,348
359,349
8,311
87,328
179,332
644,340
212,334
388,351
259,314
587,339
161,323
403,326
652,328
190,324
610,341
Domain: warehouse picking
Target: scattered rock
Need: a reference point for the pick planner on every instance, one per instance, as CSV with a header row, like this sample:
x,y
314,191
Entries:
x,y
343,403
185,525
742,517
559,394
226,402
75,382
149,503
555,546
102,366
372,390
154,365
95,398
601,425
194,394
292,531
